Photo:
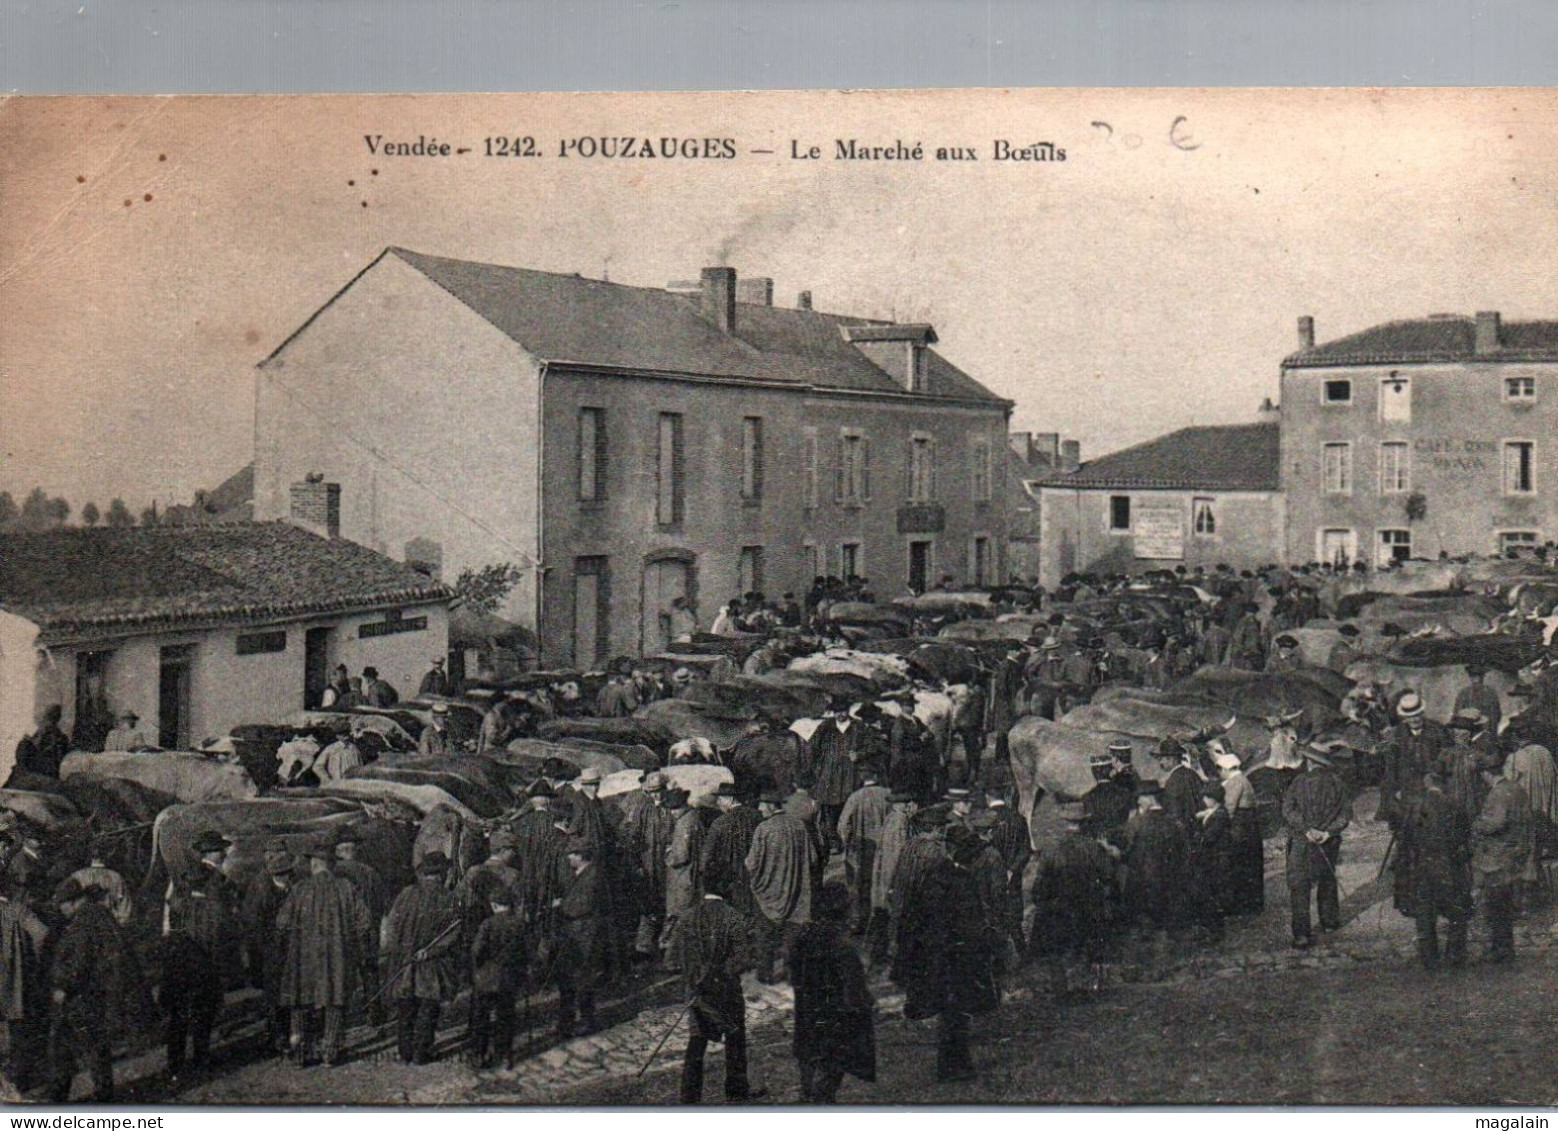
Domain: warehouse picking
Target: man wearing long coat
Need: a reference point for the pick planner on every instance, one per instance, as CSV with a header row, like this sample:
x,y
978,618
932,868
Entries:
x,y
579,938
780,866
859,830
325,927
683,860
725,849
1501,849
833,754
23,994
88,980
709,947
1159,887
200,930
420,937
1074,892
1436,835
264,946
896,833
835,1033
1316,809
646,834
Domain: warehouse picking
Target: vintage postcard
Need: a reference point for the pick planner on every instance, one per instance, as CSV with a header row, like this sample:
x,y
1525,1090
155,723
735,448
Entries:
x,y
942,597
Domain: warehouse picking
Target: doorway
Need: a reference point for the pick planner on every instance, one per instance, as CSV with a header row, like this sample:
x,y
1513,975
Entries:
x,y
665,580
173,687
919,566
316,666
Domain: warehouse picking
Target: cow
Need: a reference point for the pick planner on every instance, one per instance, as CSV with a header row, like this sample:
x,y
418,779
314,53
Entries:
x,y
189,777
680,719
1437,686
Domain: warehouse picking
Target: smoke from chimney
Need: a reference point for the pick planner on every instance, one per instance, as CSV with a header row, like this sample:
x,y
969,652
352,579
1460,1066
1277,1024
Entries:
x,y
718,297
1306,332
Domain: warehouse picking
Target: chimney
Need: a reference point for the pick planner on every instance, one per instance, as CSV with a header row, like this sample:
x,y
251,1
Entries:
x,y
1021,443
1046,446
316,506
803,301
755,291
718,291
1487,332
1306,332
1268,413
1070,455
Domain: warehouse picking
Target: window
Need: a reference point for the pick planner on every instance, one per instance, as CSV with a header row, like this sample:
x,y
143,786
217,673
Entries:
x,y
1519,467
1337,469
1520,388
749,570
1395,469
1395,545
592,455
981,471
1395,399
1337,546
669,502
591,611
921,487
1510,540
852,479
1203,517
919,359
1119,512
850,560
751,459
809,471
1337,392
258,643
979,564
813,564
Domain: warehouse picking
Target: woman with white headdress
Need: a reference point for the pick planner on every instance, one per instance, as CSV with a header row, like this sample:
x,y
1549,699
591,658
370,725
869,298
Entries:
x,y
1247,886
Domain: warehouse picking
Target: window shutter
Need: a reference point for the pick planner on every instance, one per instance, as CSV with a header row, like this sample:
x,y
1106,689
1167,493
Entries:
x,y
838,470
908,471
809,486
865,469
757,457
678,500
930,477
600,453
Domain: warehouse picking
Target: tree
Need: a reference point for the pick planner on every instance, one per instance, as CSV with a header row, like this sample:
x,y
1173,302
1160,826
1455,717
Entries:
x,y
35,510
59,512
483,590
149,516
89,514
9,511
119,515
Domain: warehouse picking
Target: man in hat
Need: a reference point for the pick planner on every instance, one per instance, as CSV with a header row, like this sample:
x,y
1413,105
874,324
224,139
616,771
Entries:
x,y
1110,803
200,933
618,698
476,888
1159,888
859,830
23,989
835,1032
435,682
1345,650
340,756
325,928
375,893
88,982
1013,839
683,860
646,834
833,753
709,948
377,692
1502,842
126,734
1211,859
1074,892
500,952
681,683
780,866
338,694
959,803
896,834
420,935
1416,746
987,872
1181,798
538,850
725,849
1472,743
42,751
264,946
1477,695
1285,657
435,740
1436,838
1316,810
579,940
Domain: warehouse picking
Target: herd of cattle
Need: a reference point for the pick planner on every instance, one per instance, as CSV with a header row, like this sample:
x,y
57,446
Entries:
x,y
1418,628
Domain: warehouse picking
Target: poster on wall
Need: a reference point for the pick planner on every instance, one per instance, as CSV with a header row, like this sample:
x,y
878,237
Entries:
x,y
1158,529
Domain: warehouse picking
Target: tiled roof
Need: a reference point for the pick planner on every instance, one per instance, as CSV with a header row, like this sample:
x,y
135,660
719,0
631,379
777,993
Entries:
x,y
1442,338
570,319
1228,457
70,581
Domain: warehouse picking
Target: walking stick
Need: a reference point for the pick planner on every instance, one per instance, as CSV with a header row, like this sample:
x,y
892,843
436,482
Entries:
x,y
395,977
666,1036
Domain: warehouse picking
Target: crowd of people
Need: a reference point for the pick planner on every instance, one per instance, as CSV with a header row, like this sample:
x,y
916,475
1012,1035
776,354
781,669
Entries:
x,y
858,842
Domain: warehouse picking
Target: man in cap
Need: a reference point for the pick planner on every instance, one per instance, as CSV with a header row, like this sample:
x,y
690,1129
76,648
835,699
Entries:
x,y
1502,844
340,756
420,935
780,867
683,860
1013,839
1285,657
435,682
435,740
1181,797
1436,838
1112,800
1074,891
646,834
88,982
500,952
579,940
1316,810
1211,860
709,948
264,947
126,734
200,933
859,830
1159,887
1415,746
325,928
1477,695
725,849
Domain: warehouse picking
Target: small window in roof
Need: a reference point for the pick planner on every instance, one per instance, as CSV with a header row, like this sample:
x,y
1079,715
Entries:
x,y
1337,392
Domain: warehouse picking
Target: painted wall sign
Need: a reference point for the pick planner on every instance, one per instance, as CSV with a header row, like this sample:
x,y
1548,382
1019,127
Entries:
x,y
1158,528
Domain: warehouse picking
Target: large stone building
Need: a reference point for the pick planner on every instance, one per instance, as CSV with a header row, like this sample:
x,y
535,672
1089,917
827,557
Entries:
x,y
1200,496
197,629
1420,437
626,446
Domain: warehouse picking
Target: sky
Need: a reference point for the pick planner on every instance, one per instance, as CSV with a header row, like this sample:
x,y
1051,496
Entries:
x,y
152,251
